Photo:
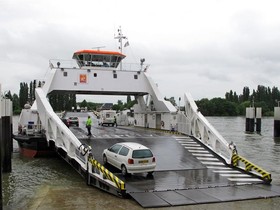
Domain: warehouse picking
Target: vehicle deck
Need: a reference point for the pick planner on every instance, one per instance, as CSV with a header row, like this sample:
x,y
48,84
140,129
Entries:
x,y
186,172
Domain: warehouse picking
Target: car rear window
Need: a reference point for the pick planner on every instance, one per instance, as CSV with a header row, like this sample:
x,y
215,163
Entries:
x,y
142,153
73,118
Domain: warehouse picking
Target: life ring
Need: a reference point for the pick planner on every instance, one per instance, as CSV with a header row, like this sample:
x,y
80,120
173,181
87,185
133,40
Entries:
x,y
162,124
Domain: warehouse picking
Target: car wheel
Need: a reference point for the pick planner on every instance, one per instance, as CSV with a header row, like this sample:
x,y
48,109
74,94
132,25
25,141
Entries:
x,y
105,161
124,170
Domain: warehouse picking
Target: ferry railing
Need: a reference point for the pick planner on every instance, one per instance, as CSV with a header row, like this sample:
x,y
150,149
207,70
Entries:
x,y
60,63
196,125
193,123
55,130
72,64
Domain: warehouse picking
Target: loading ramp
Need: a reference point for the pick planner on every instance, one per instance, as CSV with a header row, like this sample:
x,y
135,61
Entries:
x,y
205,195
191,175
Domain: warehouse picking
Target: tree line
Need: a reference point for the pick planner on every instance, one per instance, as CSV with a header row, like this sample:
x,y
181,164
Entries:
x,y
232,105
119,106
26,95
59,101
235,105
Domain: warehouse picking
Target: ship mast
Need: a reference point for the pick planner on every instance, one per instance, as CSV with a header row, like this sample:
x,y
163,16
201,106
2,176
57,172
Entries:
x,y
120,37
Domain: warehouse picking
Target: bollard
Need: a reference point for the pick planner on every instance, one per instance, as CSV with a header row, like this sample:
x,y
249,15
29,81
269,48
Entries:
x,y
1,197
258,119
250,119
6,144
7,139
276,121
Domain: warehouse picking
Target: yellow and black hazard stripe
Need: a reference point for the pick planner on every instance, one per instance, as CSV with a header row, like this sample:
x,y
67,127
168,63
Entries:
x,y
109,175
250,166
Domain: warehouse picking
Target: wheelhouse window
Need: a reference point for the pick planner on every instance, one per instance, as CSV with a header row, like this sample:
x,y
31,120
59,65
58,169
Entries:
x,y
96,58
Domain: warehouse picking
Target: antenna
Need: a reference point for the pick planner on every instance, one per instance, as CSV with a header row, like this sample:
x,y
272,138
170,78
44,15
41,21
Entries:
x,y
120,37
98,48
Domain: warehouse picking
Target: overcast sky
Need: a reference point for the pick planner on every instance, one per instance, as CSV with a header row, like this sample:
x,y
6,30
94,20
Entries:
x,y
203,47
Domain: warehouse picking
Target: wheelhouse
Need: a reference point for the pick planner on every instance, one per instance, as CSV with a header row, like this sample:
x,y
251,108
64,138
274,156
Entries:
x,y
98,58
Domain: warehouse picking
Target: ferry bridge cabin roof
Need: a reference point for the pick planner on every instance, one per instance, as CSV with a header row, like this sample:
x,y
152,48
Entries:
x,y
98,58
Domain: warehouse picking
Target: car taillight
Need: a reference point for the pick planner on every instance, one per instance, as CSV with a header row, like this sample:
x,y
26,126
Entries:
x,y
154,159
130,161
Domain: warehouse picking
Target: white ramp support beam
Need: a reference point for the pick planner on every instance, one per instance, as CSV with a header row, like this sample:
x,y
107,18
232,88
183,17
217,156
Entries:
x,y
198,126
56,131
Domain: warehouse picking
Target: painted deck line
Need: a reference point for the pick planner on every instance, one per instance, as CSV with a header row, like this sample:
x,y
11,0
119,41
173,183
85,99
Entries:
x,y
242,183
227,171
213,163
190,144
183,137
235,175
244,180
195,148
199,151
207,158
216,167
186,141
203,155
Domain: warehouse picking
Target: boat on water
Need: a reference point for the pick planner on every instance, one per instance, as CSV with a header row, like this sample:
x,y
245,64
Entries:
x,y
30,136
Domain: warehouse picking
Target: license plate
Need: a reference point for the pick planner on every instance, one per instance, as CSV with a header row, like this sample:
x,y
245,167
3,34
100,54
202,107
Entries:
x,y
143,161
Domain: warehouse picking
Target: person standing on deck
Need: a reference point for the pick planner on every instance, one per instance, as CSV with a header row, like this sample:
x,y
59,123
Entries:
x,y
88,125
115,121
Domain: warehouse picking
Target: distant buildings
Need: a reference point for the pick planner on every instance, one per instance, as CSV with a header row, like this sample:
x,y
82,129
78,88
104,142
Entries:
x,y
105,106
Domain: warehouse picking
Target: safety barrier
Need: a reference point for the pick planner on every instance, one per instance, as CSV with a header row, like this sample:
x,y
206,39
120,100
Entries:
x,y
109,175
266,176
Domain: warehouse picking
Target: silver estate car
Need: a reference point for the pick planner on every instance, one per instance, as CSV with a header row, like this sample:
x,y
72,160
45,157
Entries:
x,y
130,157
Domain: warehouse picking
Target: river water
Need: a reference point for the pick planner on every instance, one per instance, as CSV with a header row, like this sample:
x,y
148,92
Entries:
x,y
49,183
261,149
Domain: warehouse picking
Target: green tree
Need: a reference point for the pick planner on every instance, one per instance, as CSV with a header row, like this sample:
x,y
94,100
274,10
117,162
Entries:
x,y
60,101
84,103
128,99
16,106
119,106
23,94
246,94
